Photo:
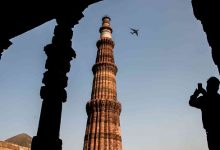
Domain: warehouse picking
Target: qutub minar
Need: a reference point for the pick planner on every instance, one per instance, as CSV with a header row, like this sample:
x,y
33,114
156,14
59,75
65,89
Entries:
x,y
103,125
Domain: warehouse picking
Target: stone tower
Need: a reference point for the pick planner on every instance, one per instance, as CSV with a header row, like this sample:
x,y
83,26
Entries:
x,y
103,125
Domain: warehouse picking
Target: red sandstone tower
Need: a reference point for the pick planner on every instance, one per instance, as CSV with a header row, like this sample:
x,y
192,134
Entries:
x,y
103,125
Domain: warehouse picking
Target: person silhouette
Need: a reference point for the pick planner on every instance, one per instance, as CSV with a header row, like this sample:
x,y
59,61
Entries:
x,y
209,104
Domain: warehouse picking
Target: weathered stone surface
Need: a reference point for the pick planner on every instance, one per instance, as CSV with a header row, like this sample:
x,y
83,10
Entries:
x,y
9,146
22,139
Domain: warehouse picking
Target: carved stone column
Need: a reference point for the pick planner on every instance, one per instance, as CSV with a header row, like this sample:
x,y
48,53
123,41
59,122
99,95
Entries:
x,y
53,93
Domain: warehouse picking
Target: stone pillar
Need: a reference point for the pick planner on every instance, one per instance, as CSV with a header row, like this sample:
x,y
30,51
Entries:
x,y
53,93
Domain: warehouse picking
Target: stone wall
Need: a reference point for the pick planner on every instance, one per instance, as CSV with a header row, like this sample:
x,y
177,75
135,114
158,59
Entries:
x,y
9,146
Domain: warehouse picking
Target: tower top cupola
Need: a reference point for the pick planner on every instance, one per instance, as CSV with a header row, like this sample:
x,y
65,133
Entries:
x,y
106,21
105,30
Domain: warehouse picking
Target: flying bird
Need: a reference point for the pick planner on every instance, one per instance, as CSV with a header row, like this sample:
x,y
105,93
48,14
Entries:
x,y
134,31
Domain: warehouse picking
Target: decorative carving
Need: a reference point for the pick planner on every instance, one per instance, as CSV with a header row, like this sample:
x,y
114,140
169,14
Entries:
x,y
105,65
103,135
103,105
105,41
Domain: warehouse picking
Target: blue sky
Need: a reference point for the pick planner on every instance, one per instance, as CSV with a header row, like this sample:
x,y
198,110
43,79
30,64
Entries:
x,y
158,71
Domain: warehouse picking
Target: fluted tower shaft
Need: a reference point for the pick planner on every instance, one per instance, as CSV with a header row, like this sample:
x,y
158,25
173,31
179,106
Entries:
x,y
103,125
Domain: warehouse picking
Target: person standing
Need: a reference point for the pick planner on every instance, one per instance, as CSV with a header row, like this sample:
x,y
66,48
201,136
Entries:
x,y
208,101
